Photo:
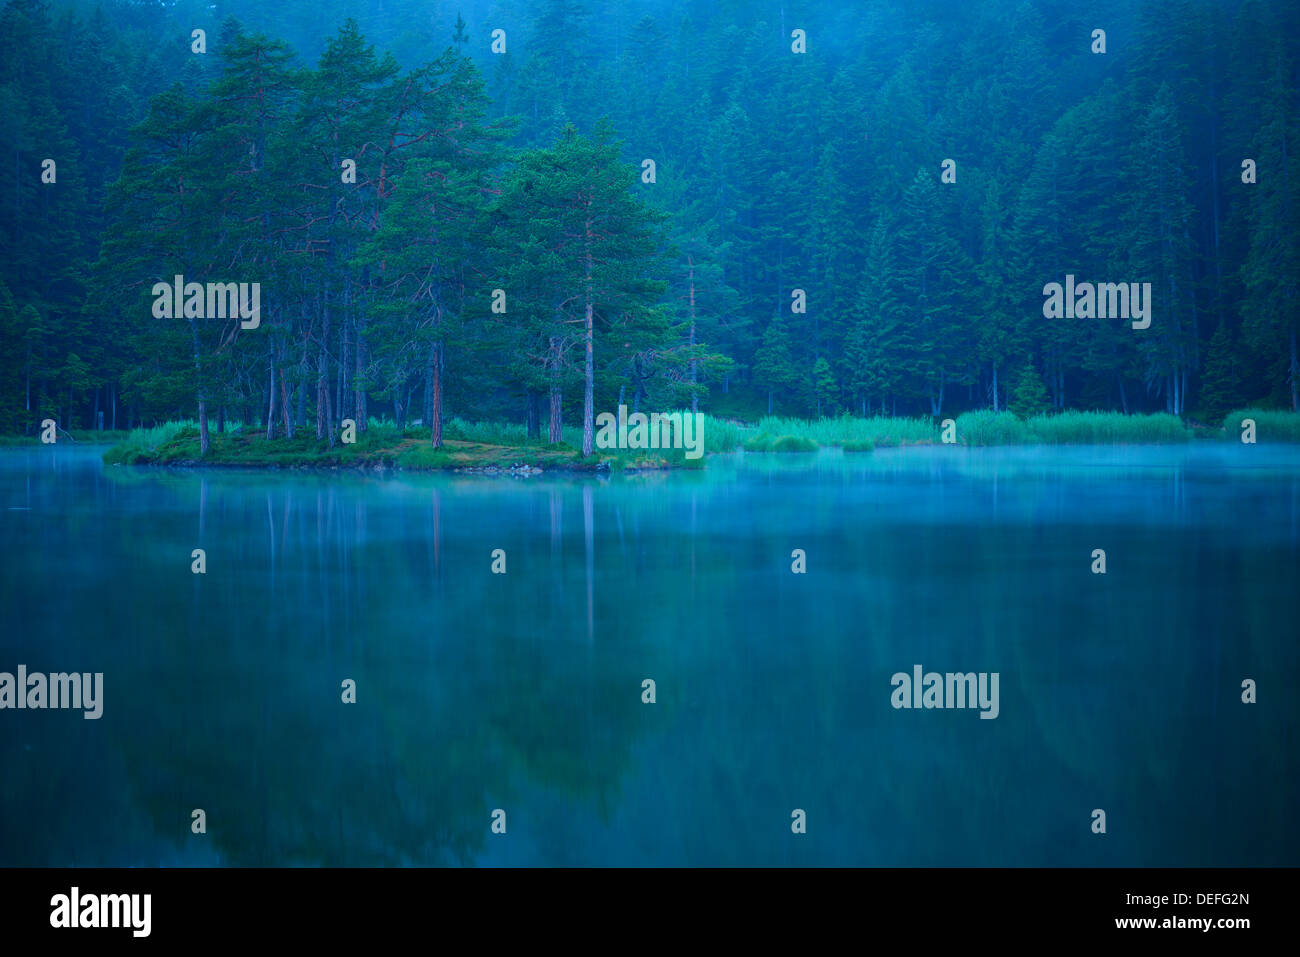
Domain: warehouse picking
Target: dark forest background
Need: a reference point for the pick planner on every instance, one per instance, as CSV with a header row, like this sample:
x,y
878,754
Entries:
x,y
522,172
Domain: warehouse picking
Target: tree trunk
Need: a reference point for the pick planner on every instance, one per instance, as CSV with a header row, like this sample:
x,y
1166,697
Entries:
x,y
936,401
1295,374
554,435
436,414
337,405
534,416
426,408
589,368
345,373
204,440
363,413
554,368
284,407
695,399
270,408
324,405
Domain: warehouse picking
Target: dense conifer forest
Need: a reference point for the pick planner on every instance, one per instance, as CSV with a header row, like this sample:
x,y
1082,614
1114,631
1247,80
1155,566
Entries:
x,y
527,211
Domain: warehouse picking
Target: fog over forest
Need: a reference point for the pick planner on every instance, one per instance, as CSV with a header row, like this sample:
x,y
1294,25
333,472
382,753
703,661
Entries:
x,y
524,211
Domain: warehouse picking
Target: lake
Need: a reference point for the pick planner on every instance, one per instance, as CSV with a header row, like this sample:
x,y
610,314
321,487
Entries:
x,y
523,691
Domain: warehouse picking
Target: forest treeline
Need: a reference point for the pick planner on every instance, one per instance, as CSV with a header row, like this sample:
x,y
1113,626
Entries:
x,y
658,204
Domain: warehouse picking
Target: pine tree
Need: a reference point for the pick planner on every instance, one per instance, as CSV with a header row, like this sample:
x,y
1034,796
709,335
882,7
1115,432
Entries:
x,y
1029,398
250,154
826,388
1271,270
419,260
571,208
775,366
346,105
1158,237
880,340
12,366
939,297
1220,380
165,208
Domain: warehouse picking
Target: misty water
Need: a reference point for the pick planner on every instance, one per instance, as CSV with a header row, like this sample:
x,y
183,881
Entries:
x,y
523,691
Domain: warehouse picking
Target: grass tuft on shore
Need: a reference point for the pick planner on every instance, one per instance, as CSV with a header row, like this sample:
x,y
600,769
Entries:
x,y
141,445
804,435
75,437
859,445
984,427
780,443
1270,425
1114,428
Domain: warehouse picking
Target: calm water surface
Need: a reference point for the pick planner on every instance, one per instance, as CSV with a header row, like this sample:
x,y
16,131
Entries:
x,y
522,691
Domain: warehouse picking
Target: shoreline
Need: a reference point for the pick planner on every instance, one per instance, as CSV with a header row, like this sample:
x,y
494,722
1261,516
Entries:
x,y
502,448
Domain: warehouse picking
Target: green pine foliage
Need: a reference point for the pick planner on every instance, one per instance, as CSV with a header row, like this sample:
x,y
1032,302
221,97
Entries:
x,y
1029,397
1221,381
381,192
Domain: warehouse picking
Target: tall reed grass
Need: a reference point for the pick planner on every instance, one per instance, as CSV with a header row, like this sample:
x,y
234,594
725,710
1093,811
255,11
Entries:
x,y
1270,425
984,427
